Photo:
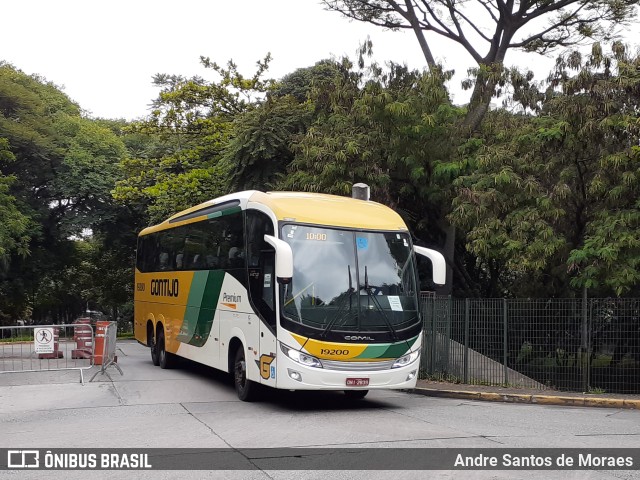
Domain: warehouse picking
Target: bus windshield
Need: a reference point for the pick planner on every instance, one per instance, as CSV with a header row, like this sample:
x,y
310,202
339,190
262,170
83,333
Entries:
x,y
350,281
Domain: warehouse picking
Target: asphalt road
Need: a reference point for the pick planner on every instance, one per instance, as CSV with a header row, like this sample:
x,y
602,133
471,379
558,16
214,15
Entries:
x,y
196,407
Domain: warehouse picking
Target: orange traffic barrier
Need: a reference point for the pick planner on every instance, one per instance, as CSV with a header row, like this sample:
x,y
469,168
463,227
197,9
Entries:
x,y
101,337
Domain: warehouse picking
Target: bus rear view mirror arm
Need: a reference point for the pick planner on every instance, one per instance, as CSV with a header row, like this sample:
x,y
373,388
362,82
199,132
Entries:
x,y
284,258
438,262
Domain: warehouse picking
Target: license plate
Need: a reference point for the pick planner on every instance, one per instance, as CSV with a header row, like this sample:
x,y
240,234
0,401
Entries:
x,y
357,382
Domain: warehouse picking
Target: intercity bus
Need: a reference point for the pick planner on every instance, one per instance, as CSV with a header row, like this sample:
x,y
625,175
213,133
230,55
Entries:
x,y
298,291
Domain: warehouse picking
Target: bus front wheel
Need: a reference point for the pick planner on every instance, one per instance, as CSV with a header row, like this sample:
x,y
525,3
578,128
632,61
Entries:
x,y
245,388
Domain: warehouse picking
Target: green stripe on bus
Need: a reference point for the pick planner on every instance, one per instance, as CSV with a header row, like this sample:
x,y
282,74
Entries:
x,y
397,350
196,291
374,351
388,350
203,298
208,300
229,211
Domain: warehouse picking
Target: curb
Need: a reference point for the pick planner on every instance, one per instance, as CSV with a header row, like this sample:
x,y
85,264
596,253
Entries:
x,y
602,402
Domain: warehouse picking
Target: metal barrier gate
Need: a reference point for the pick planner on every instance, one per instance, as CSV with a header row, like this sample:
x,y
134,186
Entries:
x,y
37,348
105,348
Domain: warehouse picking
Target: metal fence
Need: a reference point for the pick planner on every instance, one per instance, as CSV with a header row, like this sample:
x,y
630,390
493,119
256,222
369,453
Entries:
x,y
586,345
35,348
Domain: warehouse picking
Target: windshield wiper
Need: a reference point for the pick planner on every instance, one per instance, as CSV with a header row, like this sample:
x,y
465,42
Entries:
x,y
367,288
339,314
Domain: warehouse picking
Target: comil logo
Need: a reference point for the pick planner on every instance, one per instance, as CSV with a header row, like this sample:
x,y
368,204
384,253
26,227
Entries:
x,y
23,459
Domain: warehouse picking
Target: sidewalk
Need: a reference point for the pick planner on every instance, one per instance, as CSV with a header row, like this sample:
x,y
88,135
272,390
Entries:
x,y
525,395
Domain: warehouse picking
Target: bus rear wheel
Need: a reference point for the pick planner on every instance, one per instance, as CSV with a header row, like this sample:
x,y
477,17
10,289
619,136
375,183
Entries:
x,y
356,394
246,389
153,345
165,359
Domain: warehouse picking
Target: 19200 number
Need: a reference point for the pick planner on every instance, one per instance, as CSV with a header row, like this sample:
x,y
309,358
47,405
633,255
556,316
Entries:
x,y
333,351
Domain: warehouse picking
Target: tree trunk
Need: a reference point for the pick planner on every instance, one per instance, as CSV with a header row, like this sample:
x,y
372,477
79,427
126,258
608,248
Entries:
x,y
479,104
419,33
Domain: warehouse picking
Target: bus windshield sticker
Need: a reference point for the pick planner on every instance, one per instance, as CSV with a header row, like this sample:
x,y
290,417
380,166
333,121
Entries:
x,y
362,242
292,231
394,303
267,280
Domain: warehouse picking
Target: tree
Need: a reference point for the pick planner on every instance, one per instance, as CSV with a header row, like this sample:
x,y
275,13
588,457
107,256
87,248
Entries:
x,y
13,224
58,169
552,200
374,126
606,94
181,144
259,150
488,29
510,204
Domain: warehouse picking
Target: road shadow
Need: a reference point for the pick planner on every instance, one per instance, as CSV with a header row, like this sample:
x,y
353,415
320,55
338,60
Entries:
x,y
298,400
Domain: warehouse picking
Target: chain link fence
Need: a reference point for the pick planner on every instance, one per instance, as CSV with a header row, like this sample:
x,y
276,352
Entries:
x,y
584,345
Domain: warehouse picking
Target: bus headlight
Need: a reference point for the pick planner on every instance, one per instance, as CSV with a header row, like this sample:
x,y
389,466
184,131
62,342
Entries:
x,y
300,357
406,359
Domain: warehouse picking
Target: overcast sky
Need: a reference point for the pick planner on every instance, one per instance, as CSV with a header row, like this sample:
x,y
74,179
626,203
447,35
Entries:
x,y
104,54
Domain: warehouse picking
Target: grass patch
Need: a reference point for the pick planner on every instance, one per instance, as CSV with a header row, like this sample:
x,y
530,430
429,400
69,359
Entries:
x,y
24,338
596,390
440,377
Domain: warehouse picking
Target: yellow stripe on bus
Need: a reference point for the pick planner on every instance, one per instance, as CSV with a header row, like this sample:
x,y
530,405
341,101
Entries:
x,y
330,350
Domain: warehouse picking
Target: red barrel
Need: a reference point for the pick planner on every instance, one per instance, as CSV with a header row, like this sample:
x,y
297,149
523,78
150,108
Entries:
x,y
82,336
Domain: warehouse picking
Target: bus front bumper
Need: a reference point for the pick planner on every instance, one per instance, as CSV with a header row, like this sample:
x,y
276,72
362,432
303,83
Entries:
x,y
294,376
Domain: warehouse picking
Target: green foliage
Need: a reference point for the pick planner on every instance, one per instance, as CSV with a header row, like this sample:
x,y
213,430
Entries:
x,y
542,204
13,224
600,102
259,150
178,192
506,202
386,129
179,146
300,82
87,173
57,171
552,200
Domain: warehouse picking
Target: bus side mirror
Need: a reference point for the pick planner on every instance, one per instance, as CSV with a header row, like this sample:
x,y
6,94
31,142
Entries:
x,y
438,262
284,258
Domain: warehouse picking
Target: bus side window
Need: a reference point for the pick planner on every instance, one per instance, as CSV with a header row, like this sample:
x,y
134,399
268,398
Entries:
x,y
179,261
194,247
261,261
163,261
231,252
